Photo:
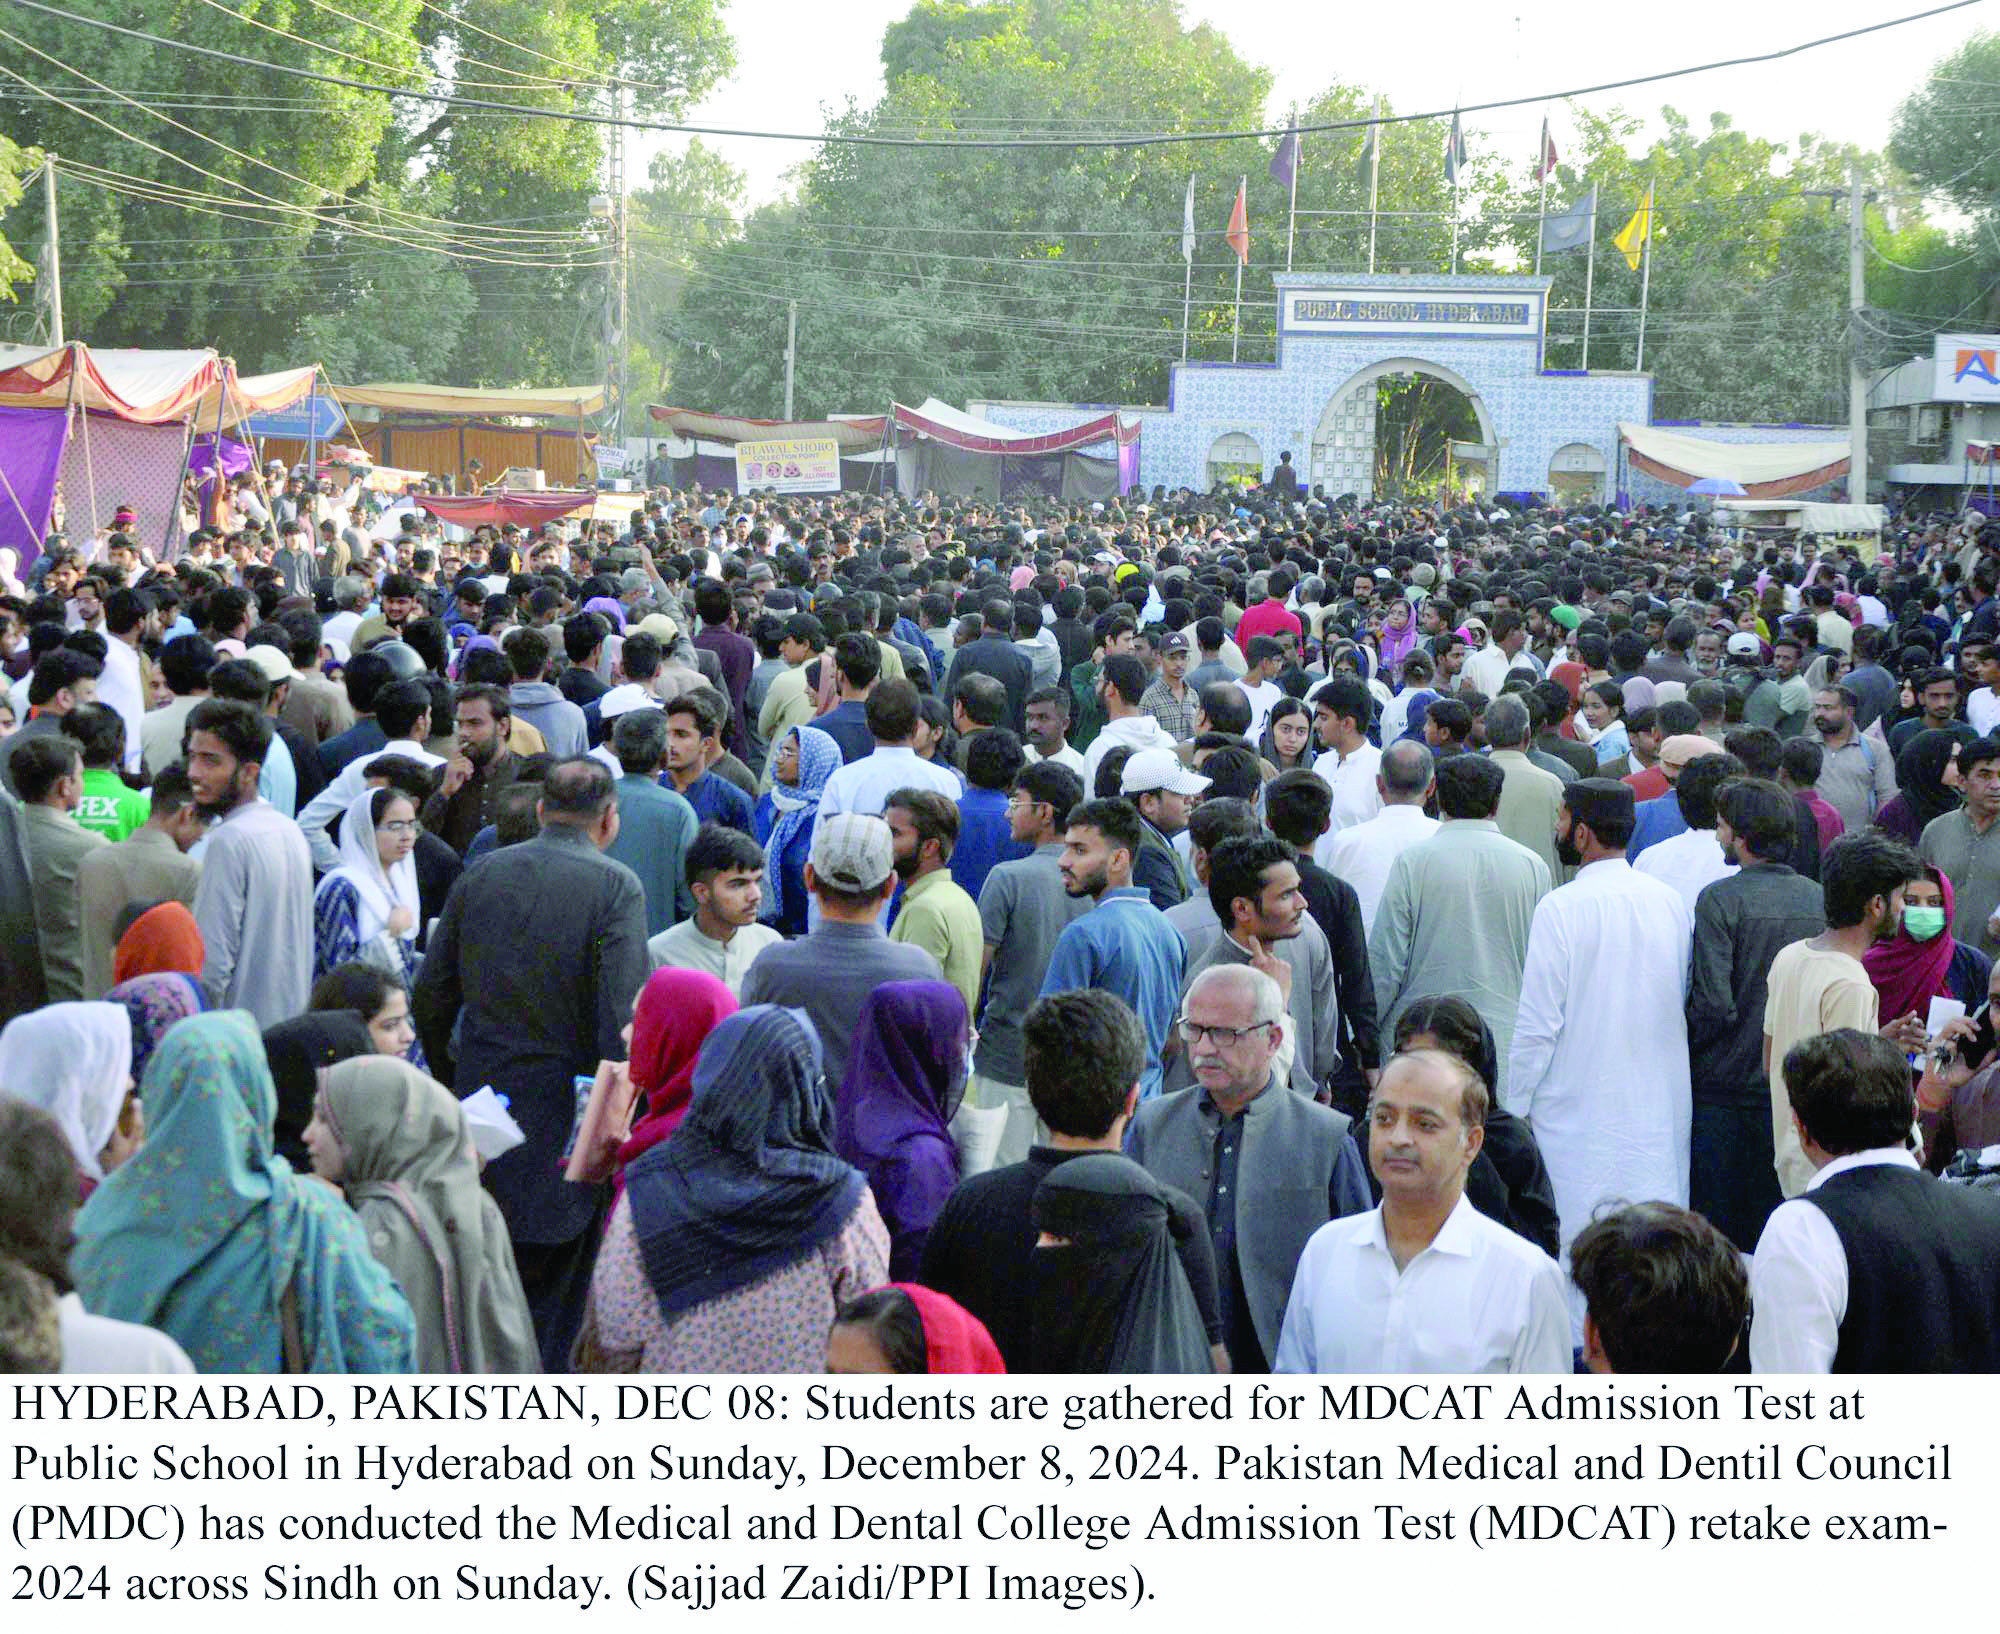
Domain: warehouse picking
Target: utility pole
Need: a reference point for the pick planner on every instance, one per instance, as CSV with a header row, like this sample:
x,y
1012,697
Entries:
x,y
791,350
52,271
621,334
1857,373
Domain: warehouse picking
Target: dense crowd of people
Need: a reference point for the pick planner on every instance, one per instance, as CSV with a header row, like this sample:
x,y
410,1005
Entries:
x,y
1239,932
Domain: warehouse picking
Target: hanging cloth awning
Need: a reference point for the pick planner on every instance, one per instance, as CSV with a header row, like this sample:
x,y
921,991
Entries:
x,y
1765,470
848,430
958,429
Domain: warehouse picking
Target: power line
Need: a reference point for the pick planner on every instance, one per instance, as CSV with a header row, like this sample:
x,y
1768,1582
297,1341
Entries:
x,y
854,139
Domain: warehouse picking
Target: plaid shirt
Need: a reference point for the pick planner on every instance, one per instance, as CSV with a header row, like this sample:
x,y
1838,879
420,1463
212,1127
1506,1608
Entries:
x,y
1177,718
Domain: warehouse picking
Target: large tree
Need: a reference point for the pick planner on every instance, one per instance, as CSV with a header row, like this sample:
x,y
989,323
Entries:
x,y
285,215
1746,297
1039,272
15,164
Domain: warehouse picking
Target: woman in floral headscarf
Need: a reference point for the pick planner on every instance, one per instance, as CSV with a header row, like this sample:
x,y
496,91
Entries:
x,y
800,765
208,1236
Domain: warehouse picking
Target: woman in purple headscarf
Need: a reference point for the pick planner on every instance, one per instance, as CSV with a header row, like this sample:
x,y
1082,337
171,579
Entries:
x,y
905,1075
610,609
1399,635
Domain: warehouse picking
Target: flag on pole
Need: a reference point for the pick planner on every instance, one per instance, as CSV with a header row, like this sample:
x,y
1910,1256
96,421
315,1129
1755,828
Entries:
x,y
1573,228
1238,233
1545,160
1633,235
1454,152
1285,162
1187,225
1371,144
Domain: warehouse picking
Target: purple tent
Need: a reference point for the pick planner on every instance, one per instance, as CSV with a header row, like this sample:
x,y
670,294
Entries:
x,y
201,463
31,450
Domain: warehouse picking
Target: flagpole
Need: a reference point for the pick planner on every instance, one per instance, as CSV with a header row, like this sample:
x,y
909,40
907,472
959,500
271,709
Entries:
x,y
1187,307
1236,337
1589,276
1187,274
1292,210
1645,279
1374,174
1454,223
1542,208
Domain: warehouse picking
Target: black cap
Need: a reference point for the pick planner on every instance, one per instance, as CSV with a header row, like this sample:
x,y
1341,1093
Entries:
x,y
1595,801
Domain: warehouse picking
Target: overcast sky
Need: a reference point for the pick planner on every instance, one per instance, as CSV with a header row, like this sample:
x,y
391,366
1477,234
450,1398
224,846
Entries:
x,y
792,64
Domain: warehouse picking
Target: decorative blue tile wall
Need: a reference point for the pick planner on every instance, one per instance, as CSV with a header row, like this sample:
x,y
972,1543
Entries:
x,y
1301,403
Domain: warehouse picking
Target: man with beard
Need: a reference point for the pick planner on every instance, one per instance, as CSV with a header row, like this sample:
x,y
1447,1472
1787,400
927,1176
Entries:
x,y
1855,777
937,914
1160,787
1599,1058
1124,945
255,900
473,778
1819,985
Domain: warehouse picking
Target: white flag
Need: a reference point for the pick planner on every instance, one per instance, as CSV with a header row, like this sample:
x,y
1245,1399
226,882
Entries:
x,y
1187,225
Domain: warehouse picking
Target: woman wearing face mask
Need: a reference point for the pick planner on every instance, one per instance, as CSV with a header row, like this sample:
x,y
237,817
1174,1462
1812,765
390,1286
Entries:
x,y
1921,961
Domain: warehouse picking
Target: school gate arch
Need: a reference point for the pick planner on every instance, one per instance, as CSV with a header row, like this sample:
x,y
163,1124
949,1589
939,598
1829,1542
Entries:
x,y
1343,444
1338,334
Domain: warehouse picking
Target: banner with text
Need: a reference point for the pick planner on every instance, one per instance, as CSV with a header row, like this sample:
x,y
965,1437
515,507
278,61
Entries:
x,y
789,465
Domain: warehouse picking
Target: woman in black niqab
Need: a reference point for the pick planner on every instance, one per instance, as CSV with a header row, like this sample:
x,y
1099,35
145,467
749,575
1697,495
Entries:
x,y
1109,1292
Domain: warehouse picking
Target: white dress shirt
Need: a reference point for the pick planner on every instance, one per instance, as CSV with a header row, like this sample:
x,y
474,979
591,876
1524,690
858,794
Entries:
x,y
865,785
1798,1279
1690,862
121,688
100,1344
686,947
1065,756
343,791
1364,854
1352,779
1982,710
1479,1299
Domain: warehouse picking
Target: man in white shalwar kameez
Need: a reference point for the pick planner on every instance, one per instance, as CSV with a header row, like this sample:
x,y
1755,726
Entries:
x,y
1456,909
1692,861
1599,1061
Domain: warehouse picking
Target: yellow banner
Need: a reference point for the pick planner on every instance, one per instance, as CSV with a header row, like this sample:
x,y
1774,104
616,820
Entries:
x,y
789,465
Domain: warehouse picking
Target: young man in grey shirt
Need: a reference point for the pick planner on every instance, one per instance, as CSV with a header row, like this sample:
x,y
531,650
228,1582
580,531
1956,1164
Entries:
x,y
1023,908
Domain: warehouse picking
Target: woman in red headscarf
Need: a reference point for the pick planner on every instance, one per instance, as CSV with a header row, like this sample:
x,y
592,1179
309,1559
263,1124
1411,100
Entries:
x,y
162,941
676,1011
1923,961
905,1328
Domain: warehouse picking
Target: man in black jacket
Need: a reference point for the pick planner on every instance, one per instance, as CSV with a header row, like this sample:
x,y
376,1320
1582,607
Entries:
x,y
1298,806
543,948
1740,924
995,654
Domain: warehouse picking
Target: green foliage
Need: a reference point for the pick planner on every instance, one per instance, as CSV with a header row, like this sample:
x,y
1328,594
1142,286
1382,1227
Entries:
x,y
15,164
1746,316
1037,273
323,221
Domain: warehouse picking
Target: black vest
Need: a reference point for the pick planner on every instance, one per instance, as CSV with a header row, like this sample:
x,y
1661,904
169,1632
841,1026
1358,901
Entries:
x,y
1923,1272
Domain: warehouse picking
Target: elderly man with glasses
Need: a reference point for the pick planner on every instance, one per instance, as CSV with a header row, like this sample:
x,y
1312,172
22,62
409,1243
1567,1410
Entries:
x,y
1271,1165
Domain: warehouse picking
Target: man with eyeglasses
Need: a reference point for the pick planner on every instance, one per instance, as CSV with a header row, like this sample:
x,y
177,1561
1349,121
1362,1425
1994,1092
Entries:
x,y
1271,1166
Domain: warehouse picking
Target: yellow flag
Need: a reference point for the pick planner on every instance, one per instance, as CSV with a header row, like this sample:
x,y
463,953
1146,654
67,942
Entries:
x,y
1632,237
